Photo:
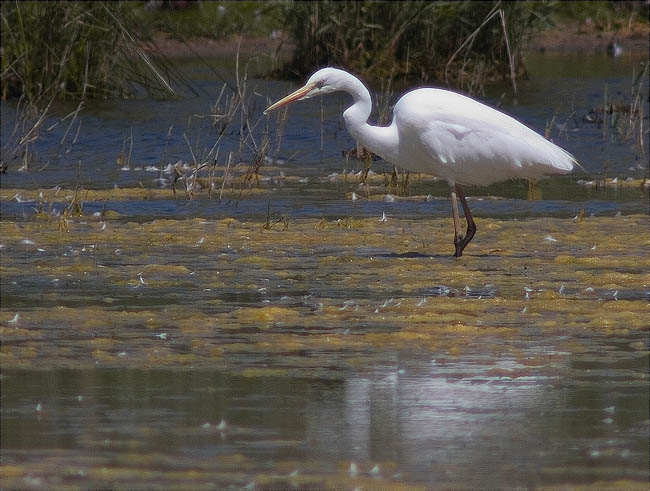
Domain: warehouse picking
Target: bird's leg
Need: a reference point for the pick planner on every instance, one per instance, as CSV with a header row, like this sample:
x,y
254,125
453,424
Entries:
x,y
471,226
458,234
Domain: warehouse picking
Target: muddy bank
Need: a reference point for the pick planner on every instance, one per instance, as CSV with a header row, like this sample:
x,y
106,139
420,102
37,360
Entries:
x,y
583,38
569,38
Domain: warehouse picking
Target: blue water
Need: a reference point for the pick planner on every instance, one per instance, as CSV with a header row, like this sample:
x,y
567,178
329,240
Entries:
x,y
155,131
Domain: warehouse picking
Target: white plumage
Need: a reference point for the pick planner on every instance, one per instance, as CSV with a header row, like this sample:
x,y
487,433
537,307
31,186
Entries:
x,y
466,142
446,134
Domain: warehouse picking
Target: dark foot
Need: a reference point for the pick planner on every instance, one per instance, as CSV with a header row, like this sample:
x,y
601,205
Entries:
x,y
459,243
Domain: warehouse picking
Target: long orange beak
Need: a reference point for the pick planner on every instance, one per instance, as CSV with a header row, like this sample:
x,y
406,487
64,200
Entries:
x,y
298,94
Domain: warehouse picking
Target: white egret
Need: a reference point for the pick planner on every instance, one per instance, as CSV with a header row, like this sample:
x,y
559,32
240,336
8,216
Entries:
x,y
446,134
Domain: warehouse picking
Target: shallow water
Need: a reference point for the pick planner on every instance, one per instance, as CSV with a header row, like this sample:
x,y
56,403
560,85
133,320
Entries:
x,y
288,336
332,353
559,85
468,422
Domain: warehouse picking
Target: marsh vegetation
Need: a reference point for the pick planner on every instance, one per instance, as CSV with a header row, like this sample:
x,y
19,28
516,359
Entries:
x,y
195,295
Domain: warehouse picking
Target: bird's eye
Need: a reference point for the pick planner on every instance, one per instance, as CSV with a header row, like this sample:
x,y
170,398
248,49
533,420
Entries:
x,y
320,84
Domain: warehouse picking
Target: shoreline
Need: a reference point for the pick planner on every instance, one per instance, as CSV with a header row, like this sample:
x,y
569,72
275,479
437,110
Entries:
x,y
569,38
575,38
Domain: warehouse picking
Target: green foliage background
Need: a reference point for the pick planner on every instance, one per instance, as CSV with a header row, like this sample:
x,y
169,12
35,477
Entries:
x,y
102,49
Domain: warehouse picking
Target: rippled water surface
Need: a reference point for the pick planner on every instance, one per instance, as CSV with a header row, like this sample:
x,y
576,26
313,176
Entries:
x,y
289,336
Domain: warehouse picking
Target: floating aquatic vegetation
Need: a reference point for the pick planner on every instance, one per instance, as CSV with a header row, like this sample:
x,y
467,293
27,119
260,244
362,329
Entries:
x,y
324,295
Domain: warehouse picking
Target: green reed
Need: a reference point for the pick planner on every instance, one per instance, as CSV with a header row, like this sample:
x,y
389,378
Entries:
x,y
465,42
74,50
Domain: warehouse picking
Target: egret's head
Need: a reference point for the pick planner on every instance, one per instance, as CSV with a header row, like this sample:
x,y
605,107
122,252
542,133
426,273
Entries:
x,y
324,81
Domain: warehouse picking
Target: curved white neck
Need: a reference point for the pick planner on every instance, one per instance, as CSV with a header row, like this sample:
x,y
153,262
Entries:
x,y
382,140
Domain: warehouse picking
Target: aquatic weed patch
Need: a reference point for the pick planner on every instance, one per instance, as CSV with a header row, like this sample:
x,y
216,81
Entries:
x,y
156,326
200,292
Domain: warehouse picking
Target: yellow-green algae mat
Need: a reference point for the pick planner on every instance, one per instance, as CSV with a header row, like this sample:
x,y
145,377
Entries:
x,y
310,298
124,289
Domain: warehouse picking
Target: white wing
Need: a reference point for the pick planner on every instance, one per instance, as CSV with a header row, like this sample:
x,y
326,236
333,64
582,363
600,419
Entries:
x,y
466,142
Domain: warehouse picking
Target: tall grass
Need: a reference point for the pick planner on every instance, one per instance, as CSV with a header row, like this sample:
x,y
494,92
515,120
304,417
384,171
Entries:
x,y
470,41
73,50
216,20
626,121
603,15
